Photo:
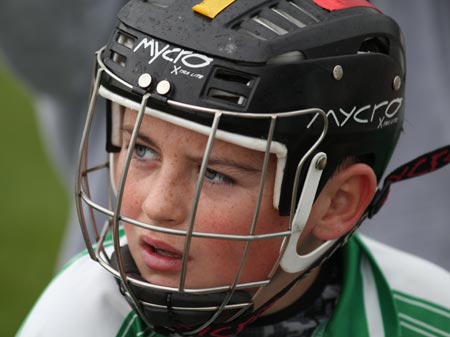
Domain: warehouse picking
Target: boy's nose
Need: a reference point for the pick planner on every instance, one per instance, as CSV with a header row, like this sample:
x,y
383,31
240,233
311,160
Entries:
x,y
168,199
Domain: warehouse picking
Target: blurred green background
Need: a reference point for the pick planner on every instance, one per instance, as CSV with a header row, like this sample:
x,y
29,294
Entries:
x,y
33,203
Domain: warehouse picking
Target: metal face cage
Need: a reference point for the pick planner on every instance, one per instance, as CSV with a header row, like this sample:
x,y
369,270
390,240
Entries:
x,y
105,242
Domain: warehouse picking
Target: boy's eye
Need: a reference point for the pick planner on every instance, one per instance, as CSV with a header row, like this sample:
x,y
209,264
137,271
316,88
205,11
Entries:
x,y
144,153
215,177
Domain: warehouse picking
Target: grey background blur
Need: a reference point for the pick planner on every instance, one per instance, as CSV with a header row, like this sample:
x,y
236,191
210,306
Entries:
x,y
49,44
416,217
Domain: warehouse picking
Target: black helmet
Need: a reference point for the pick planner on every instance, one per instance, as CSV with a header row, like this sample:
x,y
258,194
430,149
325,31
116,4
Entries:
x,y
310,84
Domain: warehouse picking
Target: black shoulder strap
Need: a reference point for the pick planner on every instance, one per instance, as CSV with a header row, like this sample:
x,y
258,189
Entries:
x,y
424,164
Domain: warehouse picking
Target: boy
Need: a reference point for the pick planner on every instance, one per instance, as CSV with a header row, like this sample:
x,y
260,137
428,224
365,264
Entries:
x,y
245,144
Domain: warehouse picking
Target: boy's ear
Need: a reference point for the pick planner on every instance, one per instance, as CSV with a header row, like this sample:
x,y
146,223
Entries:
x,y
342,201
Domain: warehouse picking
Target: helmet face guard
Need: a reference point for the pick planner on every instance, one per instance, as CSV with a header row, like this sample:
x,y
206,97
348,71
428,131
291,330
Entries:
x,y
221,302
302,106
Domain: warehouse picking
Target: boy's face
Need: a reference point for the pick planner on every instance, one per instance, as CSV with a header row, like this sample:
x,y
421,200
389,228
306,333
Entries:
x,y
159,190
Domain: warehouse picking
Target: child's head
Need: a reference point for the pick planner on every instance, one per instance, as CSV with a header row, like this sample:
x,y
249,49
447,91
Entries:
x,y
243,148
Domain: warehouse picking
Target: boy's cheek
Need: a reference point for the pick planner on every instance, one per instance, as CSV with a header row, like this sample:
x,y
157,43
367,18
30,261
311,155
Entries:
x,y
225,218
130,232
227,254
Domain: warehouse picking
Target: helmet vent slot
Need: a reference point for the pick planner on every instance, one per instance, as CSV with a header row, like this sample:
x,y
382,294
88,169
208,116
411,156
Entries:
x,y
233,77
160,3
269,25
125,40
252,34
230,87
303,12
120,59
226,96
277,20
289,17
378,45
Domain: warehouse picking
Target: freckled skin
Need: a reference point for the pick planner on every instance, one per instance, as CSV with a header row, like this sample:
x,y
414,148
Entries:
x,y
159,191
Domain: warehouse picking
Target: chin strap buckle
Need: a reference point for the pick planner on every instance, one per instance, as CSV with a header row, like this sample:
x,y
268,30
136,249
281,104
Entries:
x,y
426,163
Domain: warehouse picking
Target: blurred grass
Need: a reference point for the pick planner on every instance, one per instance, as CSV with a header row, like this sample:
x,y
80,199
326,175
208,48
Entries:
x,y
33,205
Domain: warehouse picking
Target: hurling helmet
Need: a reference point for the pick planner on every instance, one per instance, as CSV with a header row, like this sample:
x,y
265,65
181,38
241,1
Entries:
x,y
312,82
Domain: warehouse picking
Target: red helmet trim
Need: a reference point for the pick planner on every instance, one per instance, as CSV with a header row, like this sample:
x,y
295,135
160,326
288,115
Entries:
x,y
334,5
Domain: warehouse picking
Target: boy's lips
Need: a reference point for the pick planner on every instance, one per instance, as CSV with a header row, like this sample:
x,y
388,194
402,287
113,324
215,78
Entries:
x,y
158,255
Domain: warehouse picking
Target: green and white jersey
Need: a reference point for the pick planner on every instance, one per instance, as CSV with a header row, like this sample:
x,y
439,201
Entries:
x,y
385,293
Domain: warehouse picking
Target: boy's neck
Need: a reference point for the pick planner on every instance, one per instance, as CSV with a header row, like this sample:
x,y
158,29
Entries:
x,y
279,282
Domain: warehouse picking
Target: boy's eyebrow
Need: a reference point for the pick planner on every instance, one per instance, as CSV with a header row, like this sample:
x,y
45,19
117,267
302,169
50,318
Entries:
x,y
140,136
212,160
231,163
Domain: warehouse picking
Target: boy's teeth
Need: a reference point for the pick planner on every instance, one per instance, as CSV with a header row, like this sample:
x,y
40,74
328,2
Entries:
x,y
166,253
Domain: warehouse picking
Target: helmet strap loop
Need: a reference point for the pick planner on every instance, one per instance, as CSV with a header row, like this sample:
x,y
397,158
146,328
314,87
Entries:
x,y
292,262
426,163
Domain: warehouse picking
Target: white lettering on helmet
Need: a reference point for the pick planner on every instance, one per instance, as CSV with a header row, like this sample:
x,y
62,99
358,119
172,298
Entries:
x,y
174,55
386,113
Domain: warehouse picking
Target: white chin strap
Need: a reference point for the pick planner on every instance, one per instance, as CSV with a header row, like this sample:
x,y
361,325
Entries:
x,y
292,262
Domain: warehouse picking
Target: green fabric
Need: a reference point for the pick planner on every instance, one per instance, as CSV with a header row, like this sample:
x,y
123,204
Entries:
x,y
132,326
107,243
389,310
417,315
349,318
349,315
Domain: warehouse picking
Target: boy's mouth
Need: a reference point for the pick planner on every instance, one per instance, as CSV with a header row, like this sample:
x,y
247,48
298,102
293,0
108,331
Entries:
x,y
158,255
161,248
165,253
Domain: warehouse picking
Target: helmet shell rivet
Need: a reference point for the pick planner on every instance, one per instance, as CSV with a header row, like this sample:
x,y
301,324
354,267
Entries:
x,y
338,72
145,80
397,83
321,162
163,87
